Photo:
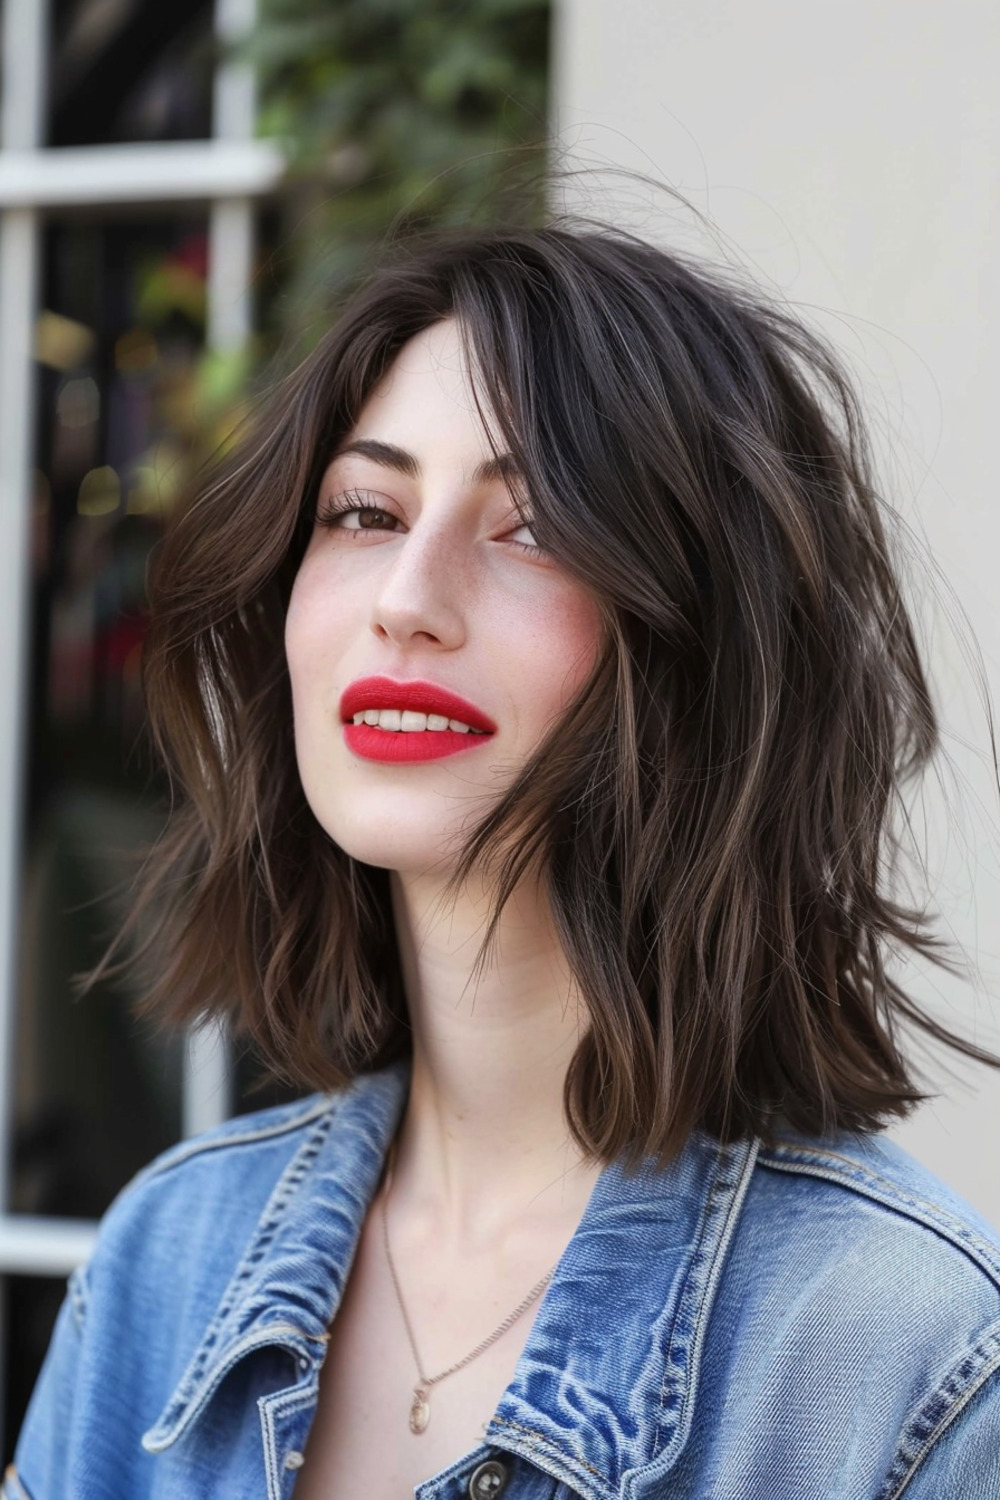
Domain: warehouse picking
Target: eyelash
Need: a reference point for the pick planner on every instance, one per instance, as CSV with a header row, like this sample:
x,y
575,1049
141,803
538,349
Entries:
x,y
347,504
353,501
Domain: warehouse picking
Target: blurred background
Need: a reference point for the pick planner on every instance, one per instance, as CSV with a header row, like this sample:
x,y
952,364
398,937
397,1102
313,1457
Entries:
x,y
187,190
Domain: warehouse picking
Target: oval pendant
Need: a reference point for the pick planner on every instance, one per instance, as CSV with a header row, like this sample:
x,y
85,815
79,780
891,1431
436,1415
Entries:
x,y
420,1412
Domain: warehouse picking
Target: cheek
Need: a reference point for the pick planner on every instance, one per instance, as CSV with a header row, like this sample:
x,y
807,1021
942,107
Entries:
x,y
319,615
582,627
562,640
314,635
298,644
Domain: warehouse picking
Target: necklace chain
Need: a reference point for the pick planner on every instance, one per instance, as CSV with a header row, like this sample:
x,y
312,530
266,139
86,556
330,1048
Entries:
x,y
420,1409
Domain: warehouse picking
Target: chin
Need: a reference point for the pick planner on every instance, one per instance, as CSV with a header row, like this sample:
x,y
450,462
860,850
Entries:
x,y
388,841
412,829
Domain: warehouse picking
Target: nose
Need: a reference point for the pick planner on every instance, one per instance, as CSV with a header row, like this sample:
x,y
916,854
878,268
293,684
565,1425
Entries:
x,y
419,597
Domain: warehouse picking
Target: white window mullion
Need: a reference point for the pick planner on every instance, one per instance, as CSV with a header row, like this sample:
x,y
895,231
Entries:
x,y
207,1090
22,58
31,1245
19,235
230,172
234,100
22,51
151,172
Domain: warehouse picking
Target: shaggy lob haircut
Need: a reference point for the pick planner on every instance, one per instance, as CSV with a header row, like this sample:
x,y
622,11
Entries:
x,y
712,815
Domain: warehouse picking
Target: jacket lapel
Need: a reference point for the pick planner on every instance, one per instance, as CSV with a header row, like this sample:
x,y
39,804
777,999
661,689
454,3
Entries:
x,y
603,1393
606,1383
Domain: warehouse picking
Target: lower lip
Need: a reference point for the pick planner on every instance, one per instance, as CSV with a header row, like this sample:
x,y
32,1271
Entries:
x,y
397,746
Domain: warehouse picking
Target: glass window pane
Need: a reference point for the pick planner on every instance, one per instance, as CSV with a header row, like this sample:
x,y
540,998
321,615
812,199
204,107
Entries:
x,y
28,1308
129,70
97,1092
119,337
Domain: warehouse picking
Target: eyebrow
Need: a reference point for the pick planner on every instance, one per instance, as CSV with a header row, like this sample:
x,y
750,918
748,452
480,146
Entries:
x,y
501,467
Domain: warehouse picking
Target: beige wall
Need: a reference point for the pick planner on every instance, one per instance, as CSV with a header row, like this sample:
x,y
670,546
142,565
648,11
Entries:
x,y
851,154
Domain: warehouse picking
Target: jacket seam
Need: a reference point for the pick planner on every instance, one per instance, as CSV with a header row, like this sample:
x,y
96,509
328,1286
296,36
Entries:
x,y
693,1299
156,1442
540,1440
202,1145
282,1403
544,1441
988,1350
187,1395
878,1189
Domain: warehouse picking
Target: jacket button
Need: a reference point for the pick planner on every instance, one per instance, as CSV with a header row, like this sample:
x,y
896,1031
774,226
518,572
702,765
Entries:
x,y
488,1481
294,1459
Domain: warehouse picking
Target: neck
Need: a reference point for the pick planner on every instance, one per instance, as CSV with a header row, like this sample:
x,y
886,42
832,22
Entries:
x,y
484,1140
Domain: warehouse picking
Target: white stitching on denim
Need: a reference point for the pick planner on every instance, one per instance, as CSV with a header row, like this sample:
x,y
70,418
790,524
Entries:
x,y
281,1404
187,1389
733,1204
222,1138
187,1399
288,1183
156,1441
542,1441
878,1189
987,1372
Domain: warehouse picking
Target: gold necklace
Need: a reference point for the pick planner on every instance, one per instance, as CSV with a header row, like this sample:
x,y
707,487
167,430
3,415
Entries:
x,y
420,1410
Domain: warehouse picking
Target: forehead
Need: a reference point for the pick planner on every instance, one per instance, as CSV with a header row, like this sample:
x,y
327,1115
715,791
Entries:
x,y
429,396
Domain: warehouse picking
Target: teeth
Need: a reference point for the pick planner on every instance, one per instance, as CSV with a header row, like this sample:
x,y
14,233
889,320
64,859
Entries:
x,y
409,721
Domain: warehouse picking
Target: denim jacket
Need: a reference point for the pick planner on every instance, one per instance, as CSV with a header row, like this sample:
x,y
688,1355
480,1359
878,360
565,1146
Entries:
x,y
806,1321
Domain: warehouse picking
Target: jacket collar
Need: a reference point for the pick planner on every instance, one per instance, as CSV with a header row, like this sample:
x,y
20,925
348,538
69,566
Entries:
x,y
607,1379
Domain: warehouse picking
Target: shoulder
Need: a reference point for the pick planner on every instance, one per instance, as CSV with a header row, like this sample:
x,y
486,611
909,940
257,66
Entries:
x,y
166,1251
226,1245
199,1205
239,1139
212,1193
184,1221
233,1167
884,1248
860,1304
866,1195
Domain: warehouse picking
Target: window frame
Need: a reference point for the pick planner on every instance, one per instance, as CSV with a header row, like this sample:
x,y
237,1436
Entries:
x,y
228,172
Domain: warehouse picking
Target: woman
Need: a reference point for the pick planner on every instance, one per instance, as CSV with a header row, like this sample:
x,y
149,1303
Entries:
x,y
539,682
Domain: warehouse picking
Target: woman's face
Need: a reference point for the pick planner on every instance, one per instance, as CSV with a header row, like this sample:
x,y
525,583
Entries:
x,y
421,585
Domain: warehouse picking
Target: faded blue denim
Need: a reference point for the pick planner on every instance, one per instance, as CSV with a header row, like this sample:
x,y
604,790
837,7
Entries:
x,y
752,1324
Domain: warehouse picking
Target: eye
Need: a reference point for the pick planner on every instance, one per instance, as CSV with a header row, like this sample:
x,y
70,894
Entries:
x,y
522,536
356,511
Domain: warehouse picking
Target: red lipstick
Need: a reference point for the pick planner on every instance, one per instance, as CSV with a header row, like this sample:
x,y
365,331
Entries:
x,y
418,696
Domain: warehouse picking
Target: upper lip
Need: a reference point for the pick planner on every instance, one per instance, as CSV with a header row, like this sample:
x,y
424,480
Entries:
x,y
419,695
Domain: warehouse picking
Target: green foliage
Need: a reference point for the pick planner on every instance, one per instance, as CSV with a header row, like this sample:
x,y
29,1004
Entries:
x,y
395,114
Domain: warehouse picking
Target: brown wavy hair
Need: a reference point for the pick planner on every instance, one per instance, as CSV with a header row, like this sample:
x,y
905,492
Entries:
x,y
714,814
